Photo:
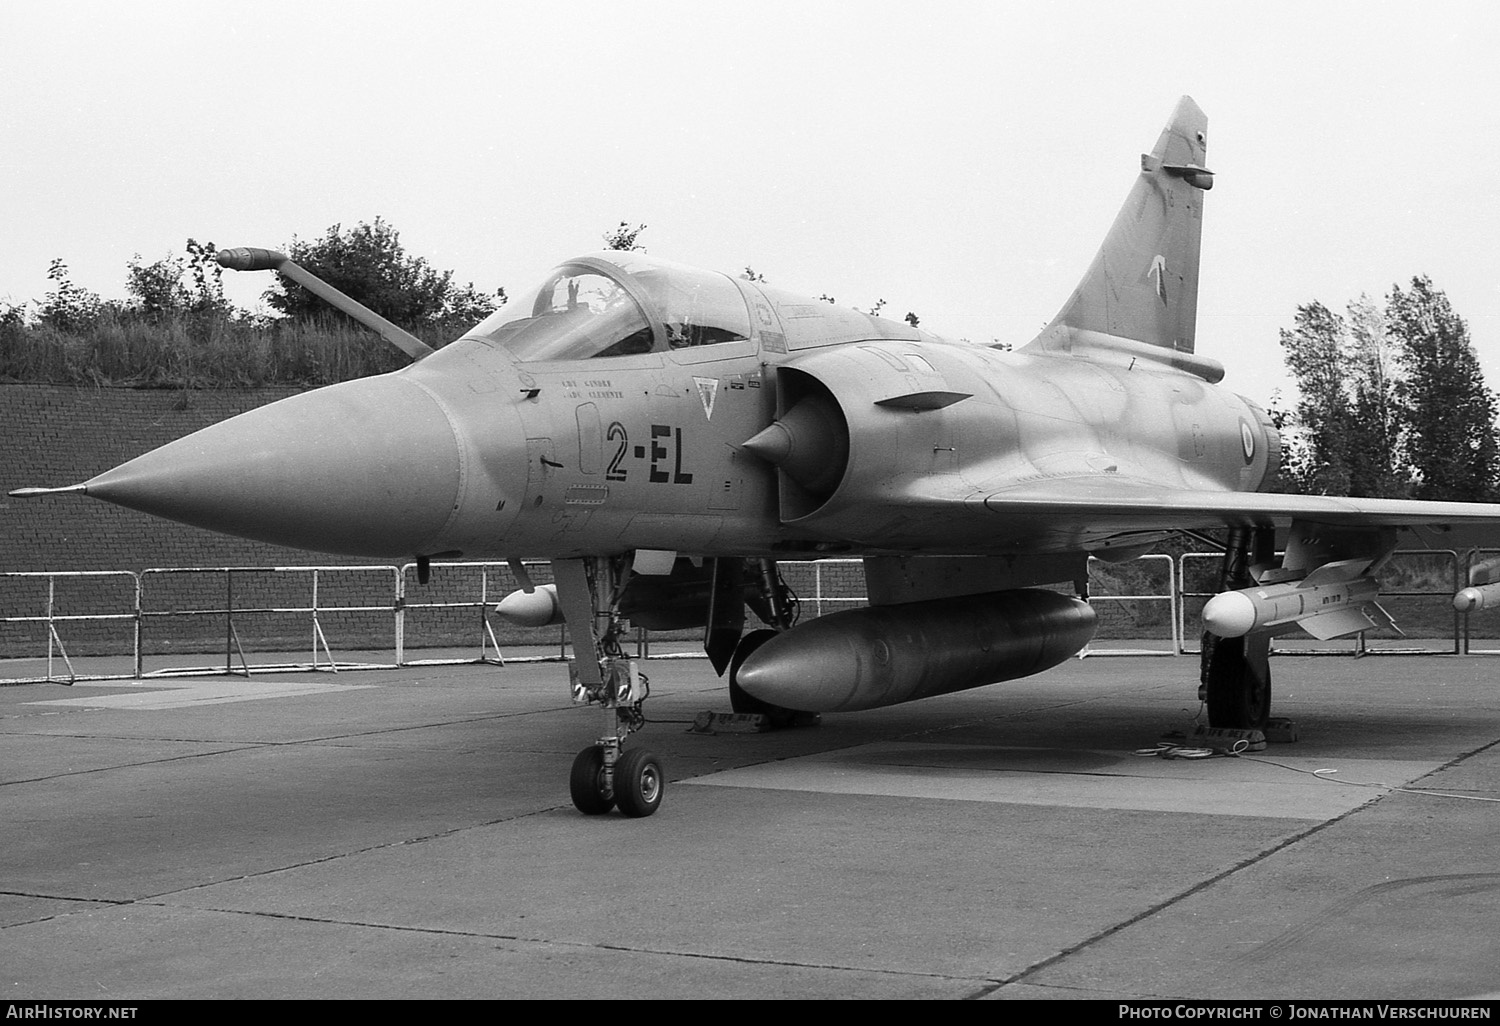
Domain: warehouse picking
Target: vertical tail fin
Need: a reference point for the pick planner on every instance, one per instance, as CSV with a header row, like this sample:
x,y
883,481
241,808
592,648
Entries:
x,y
1143,284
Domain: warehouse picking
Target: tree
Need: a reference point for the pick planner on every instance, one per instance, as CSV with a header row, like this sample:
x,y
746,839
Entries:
x,y
369,264
156,290
1393,403
468,305
624,237
1448,411
69,306
1316,355
1374,442
208,279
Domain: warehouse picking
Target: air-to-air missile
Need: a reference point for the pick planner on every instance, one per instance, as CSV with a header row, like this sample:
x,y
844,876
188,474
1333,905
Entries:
x,y
536,608
1335,600
1483,591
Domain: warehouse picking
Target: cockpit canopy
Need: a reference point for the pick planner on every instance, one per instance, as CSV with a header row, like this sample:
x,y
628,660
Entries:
x,y
618,304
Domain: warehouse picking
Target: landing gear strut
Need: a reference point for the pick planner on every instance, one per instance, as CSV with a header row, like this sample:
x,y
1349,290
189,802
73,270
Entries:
x,y
1236,672
604,775
778,607
740,700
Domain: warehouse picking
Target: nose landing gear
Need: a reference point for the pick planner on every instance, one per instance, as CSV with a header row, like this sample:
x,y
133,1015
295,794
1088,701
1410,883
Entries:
x,y
635,783
604,775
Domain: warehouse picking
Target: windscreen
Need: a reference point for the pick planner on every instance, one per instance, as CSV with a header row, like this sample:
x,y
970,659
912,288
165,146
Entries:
x,y
593,308
576,314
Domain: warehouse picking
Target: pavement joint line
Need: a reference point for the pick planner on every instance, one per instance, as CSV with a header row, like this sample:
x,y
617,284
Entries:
x,y
60,897
247,743
523,939
1168,902
1461,757
451,832
156,902
236,747
987,988
244,746
1085,992
476,718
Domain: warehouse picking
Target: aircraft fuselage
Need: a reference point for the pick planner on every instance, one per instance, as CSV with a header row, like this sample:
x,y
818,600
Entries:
x,y
647,451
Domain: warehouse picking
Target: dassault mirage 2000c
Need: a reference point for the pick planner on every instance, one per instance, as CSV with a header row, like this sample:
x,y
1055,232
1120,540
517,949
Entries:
x,y
664,436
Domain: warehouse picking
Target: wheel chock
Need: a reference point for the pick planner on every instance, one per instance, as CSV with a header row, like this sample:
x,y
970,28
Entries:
x,y
710,722
1231,741
1280,730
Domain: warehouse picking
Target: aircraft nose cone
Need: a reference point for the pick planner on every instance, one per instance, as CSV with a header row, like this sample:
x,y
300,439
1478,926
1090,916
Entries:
x,y
368,468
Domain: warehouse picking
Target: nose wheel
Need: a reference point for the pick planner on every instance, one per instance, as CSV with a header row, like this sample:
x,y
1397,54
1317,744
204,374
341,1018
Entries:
x,y
639,783
604,775
592,788
605,778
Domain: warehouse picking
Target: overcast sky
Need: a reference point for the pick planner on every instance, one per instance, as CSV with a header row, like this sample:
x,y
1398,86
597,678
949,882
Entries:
x,y
958,159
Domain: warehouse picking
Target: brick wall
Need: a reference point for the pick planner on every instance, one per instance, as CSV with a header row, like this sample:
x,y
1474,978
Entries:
x,y
60,435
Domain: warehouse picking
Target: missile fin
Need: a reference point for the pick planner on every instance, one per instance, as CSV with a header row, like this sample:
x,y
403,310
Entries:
x,y
1480,574
1335,573
1342,622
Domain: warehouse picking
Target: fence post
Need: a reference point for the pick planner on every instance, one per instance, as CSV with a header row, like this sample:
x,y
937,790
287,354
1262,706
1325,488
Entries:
x,y
400,608
228,621
51,627
1172,605
140,623
316,630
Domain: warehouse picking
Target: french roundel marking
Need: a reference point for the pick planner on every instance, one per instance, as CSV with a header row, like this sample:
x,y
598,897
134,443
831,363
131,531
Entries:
x,y
1247,441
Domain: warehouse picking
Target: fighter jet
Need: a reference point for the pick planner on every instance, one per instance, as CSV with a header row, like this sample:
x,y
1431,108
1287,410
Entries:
x,y
668,436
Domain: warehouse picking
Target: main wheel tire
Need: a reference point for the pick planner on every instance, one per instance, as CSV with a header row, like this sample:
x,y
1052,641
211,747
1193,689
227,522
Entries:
x,y
740,700
591,796
1239,683
640,783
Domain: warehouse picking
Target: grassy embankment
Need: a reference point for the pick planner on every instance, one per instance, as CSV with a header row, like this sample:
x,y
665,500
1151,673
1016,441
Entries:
x,y
192,350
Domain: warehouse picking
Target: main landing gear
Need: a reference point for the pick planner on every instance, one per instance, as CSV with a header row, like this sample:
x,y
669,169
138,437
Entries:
x,y
604,775
1236,672
775,604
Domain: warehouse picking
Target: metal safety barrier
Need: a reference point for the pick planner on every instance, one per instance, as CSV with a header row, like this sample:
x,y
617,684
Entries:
x,y
824,596
480,605
1468,620
79,608
1170,597
52,617
157,602
314,610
